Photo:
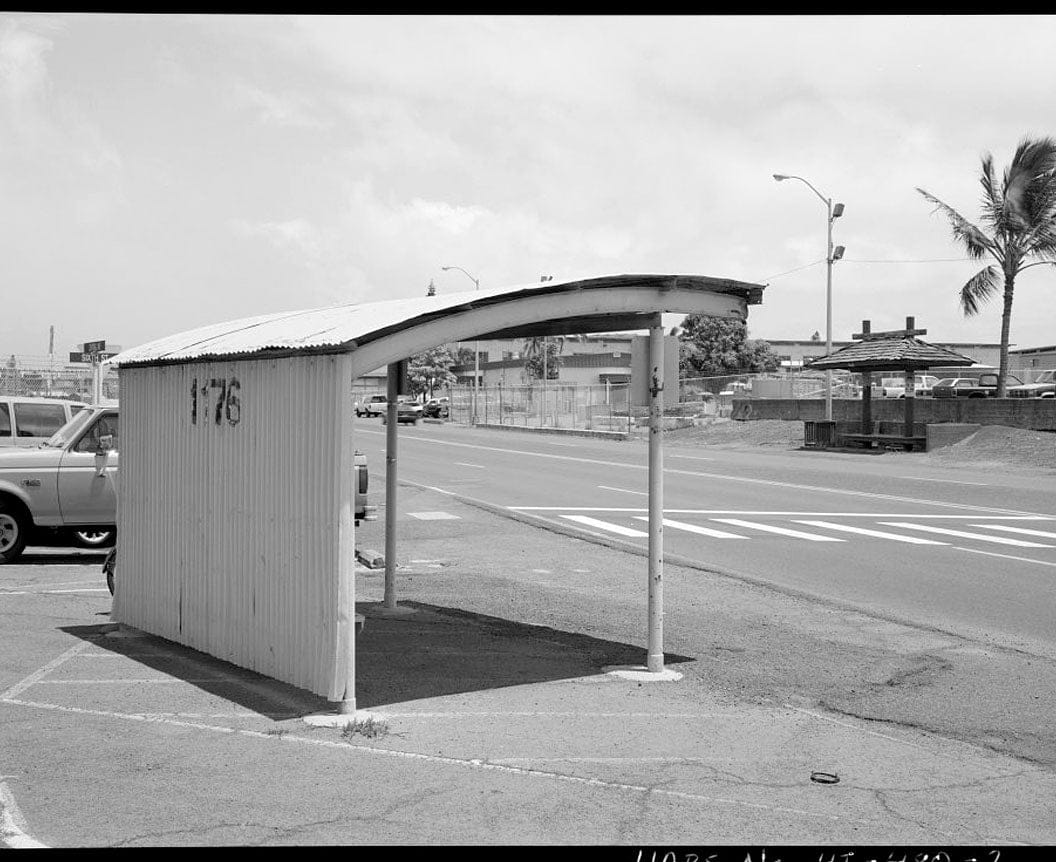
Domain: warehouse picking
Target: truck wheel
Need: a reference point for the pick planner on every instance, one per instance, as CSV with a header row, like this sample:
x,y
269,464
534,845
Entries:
x,y
108,566
14,530
93,538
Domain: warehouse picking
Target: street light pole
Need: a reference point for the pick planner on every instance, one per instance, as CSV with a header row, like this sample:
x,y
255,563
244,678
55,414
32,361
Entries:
x,y
476,347
831,256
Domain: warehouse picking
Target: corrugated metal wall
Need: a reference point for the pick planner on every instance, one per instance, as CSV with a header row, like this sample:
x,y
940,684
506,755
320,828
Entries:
x,y
235,523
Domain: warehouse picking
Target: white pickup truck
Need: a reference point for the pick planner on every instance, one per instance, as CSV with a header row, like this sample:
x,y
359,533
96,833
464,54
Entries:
x,y
66,486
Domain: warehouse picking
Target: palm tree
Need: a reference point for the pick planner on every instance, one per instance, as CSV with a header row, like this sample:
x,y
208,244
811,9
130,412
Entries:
x,y
1020,214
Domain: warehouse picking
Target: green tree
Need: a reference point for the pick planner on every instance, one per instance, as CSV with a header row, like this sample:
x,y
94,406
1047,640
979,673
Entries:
x,y
533,353
430,370
1019,214
713,346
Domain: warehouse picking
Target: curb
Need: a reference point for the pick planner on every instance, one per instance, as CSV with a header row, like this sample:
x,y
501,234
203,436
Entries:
x,y
566,432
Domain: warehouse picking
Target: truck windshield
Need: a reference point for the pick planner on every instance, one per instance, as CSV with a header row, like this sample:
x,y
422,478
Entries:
x,y
70,430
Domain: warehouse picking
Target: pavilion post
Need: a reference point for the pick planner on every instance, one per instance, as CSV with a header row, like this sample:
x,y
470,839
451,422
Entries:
x,y
867,392
910,394
655,663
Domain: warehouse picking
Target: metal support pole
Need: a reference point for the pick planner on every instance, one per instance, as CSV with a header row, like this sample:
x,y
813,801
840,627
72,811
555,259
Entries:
x,y
476,378
390,486
97,381
828,316
655,661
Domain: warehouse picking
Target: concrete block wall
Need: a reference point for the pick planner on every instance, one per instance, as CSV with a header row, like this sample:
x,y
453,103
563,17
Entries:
x,y
1034,413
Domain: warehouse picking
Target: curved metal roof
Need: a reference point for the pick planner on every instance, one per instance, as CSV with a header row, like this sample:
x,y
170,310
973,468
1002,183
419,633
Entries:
x,y
615,302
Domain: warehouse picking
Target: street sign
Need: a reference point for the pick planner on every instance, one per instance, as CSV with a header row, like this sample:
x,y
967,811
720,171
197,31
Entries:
x,y
89,357
94,346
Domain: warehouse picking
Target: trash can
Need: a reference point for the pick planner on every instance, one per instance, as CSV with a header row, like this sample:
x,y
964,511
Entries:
x,y
819,433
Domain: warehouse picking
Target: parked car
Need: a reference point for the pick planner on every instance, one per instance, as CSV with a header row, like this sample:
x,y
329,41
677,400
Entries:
x,y
64,489
1043,387
408,411
981,386
375,405
28,422
895,387
437,408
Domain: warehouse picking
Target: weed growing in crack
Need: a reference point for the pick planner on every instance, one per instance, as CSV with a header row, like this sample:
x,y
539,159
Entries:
x,y
370,728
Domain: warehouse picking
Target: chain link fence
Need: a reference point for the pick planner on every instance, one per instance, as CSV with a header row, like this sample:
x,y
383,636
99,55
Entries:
x,y
40,376
602,407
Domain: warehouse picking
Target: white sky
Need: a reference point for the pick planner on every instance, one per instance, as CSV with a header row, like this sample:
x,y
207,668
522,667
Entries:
x,y
162,172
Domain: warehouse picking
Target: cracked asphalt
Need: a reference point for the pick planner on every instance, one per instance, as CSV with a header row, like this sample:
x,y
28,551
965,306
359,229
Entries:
x,y
503,725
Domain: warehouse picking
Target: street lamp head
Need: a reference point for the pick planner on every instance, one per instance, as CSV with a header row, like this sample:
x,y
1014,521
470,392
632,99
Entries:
x,y
446,268
837,210
780,177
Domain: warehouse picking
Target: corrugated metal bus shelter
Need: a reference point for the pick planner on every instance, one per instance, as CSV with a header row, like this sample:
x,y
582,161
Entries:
x,y
235,509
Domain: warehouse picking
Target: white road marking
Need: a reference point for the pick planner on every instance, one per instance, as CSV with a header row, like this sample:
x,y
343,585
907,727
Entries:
x,y
542,571
759,513
747,479
781,531
474,466
879,534
964,535
624,490
1025,532
434,516
693,528
947,481
13,825
440,490
1006,556
688,457
605,525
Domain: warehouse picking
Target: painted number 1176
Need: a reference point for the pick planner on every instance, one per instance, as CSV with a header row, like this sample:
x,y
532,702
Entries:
x,y
216,399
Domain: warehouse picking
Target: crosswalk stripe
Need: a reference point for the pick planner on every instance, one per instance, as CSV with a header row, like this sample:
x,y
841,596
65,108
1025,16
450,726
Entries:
x,y
693,528
605,525
782,531
879,534
965,535
1024,531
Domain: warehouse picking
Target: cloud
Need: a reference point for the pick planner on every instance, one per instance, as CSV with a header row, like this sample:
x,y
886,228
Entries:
x,y
281,110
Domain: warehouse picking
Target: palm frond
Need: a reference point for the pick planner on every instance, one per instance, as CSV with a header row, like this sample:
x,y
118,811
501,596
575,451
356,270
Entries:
x,y
975,242
992,201
1025,179
979,288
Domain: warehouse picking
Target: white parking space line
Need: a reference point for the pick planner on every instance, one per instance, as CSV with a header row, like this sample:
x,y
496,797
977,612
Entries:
x,y
1006,556
624,490
1020,543
474,466
781,531
1022,530
947,481
434,516
694,528
878,534
605,525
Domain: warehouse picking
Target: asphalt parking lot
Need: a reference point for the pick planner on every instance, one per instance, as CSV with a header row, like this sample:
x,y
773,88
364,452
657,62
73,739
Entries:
x,y
502,727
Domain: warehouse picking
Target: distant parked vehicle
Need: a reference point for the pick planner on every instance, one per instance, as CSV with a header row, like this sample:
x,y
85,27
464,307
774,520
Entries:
x,y
437,408
1043,387
375,405
895,387
29,421
408,412
982,386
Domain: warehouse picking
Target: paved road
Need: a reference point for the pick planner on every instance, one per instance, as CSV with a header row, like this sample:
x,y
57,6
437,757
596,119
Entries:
x,y
967,552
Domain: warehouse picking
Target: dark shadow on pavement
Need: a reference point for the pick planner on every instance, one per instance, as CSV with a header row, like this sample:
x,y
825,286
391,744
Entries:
x,y
441,651
433,652
66,558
